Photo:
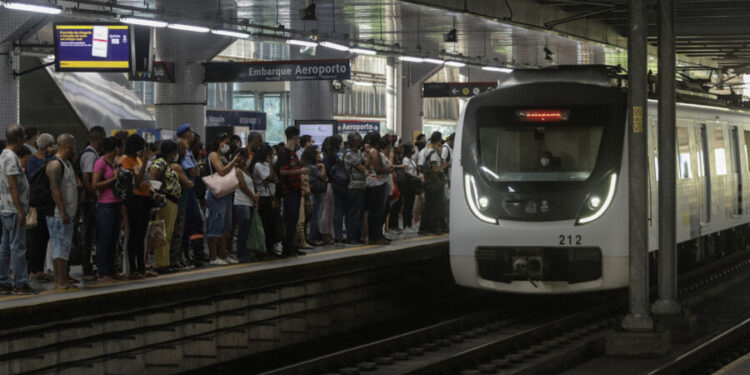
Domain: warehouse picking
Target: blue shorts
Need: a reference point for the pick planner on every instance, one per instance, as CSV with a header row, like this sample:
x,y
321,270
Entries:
x,y
60,237
219,219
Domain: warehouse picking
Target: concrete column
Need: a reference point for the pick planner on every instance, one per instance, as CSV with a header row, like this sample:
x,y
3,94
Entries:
x,y
638,318
10,22
184,101
312,100
667,303
412,78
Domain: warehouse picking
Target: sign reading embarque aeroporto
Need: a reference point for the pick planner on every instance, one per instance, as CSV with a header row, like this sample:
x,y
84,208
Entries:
x,y
270,71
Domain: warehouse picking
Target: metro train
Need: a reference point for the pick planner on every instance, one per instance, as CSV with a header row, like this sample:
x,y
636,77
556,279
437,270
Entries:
x,y
539,195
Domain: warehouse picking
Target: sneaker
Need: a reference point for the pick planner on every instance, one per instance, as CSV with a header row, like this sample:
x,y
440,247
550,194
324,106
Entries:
x,y
230,260
410,230
219,262
24,289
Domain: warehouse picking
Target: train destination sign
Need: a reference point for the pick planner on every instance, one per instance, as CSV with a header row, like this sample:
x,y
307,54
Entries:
x,y
456,89
271,71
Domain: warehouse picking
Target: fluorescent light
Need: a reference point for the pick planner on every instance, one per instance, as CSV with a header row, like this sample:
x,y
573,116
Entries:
x,y
361,83
46,9
232,33
455,64
411,59
336,46
196,29
301,42
433,61
143,22
362,51
497,69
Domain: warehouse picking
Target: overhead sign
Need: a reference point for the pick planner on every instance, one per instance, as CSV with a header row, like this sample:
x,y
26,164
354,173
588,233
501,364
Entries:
x,y
251,119
456,89
271,71
356,126
162,72
92,47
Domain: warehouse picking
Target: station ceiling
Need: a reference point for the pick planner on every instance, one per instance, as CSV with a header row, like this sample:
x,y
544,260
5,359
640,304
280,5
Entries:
x,y
715,29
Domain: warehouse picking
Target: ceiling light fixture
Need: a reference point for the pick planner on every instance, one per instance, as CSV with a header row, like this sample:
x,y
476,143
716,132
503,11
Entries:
x,y
455,64
46,9
232,33
143,22
301,42
196,29
363,51
497,69
411,59
361,83
336,46
433,61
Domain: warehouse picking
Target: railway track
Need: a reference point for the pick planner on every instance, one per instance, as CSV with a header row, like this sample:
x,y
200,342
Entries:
x,y
494,343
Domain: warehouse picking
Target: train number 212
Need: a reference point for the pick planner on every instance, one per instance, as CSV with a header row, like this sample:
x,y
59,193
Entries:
x,y
570,239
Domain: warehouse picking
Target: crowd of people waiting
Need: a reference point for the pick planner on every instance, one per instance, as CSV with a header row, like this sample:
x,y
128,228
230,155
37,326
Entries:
x,y
123,208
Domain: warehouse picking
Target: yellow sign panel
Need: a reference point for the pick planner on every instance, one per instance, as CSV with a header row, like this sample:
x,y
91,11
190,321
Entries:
x,y
94,64
637,119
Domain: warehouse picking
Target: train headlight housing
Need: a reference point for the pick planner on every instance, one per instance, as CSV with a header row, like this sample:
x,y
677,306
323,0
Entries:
x,y
596,207
475,202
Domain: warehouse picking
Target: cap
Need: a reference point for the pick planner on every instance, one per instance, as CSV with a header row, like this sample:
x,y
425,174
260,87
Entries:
x,y
45,140
183,128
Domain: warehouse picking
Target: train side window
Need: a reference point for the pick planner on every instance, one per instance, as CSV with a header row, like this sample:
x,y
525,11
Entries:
x,y
683,153
747,144
720,153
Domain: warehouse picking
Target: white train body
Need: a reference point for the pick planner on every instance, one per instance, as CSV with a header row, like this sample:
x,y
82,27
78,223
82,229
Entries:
x,y
515,227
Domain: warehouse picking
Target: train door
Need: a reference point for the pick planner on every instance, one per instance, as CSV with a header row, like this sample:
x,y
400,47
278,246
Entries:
x,y
704,174
737,172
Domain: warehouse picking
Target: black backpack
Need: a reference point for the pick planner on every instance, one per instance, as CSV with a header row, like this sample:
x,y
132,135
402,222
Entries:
x,y
125,184
339,175
40,195
434,181
317,184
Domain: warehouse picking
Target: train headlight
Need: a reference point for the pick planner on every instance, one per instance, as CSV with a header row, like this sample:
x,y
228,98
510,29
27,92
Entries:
x,y
474,201
594,202
597,207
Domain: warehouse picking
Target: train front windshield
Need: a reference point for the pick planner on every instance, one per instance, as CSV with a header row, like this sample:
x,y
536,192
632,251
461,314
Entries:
x,y
539,152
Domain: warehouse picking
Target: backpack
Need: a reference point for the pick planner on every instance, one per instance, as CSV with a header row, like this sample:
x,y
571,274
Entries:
x,y
125,184
434,181
339,175
40,195
77,165
317,184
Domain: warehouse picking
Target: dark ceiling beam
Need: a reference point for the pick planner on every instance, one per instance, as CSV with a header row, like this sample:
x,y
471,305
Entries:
x,y
576,17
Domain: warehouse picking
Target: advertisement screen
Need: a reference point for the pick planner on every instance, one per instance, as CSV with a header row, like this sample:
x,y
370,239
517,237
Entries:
x,y
318,131
92,47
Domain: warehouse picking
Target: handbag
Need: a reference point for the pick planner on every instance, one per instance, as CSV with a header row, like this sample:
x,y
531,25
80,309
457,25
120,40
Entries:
x,y
221,186
32,218
256,238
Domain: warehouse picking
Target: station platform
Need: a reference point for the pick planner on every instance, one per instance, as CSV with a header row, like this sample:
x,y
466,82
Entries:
x,y
741,366
27,307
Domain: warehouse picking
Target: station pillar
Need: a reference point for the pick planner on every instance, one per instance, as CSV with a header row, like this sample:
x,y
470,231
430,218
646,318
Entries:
x,y
10,23
184,101
636,336
311,100
412,78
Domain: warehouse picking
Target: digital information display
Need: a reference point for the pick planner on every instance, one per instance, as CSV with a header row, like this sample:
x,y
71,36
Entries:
x,y
92,47
318,132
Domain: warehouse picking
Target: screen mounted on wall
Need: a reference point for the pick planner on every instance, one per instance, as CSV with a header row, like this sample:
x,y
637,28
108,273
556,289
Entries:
x,y
85,47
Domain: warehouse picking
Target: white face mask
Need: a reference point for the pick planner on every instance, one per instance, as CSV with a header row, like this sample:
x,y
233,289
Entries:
x,y
247,163
224,148
275,158
545,162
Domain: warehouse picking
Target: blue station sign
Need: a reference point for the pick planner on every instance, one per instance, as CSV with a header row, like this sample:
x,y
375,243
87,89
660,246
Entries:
x,y
273,71
356,126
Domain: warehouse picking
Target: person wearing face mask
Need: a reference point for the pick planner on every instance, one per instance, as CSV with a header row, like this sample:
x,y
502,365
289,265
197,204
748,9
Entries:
x,y
290,181
179,256
549,162
219,209
264,181
138,204
162,171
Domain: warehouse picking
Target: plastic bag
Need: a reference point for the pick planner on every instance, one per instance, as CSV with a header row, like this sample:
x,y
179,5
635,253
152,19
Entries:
x,y
256,238
156,235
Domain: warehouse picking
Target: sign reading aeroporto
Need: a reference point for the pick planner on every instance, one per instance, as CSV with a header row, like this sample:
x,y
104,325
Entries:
x,y
271,71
